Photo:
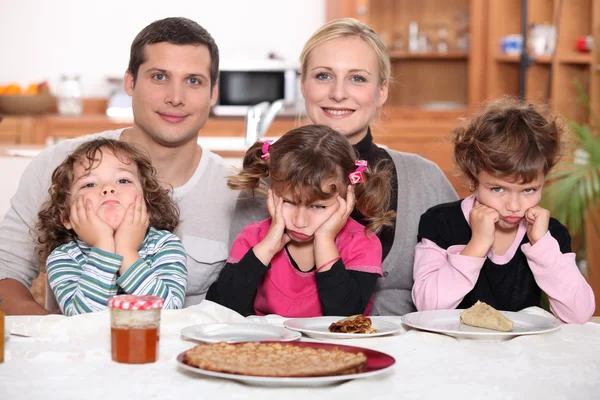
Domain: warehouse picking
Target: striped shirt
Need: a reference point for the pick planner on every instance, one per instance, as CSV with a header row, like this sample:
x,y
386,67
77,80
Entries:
x,y
83,278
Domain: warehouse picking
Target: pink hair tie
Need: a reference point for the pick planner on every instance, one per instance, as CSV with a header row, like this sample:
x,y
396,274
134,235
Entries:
x,y
356,176
265,149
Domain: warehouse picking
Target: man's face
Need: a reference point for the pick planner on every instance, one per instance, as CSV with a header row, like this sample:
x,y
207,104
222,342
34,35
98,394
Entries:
x,y
172,96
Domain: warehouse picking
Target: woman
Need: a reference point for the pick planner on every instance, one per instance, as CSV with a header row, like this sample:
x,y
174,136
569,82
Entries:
x,y
345,76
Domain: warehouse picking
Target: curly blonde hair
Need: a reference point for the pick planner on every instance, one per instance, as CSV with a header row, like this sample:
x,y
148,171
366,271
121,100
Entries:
x,y
50,229
306,158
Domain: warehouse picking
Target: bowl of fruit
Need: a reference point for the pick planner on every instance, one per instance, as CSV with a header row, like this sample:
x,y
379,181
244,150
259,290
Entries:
x,y
35,99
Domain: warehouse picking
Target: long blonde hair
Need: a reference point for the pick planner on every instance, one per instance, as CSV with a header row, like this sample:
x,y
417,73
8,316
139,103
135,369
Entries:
x,y
348,27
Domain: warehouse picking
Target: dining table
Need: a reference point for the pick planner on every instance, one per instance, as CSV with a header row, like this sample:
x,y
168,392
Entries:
x,y
59,357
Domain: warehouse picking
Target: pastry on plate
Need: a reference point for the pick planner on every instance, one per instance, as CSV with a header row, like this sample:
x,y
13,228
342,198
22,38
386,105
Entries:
x,y
274,360
353,324
482,315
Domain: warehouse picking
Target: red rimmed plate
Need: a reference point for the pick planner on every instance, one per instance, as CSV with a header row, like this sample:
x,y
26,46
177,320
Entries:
x,y
377,363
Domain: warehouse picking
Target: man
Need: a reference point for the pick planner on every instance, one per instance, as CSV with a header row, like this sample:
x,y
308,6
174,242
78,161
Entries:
x,y
172,76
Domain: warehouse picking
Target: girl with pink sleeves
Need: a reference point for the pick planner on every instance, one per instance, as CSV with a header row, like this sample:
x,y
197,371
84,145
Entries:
x,y
498,245
310,258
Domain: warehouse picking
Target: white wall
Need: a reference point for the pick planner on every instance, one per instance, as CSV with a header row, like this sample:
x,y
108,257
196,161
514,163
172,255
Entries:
x,y
41,39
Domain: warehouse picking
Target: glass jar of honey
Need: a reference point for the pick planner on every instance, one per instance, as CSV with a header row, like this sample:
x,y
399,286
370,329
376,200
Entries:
x,y
134,325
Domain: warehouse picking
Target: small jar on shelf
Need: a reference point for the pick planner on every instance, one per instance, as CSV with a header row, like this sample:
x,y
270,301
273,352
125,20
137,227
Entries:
x,y
70,96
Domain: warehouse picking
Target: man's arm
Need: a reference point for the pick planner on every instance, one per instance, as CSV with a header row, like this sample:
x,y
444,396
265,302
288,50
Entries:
x,y
17,299
18,261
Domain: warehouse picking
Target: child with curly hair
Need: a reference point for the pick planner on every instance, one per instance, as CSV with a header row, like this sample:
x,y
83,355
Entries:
x,y
498,245
106,230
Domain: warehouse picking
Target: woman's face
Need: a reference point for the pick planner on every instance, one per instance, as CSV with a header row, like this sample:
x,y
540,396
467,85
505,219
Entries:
x,y
342,87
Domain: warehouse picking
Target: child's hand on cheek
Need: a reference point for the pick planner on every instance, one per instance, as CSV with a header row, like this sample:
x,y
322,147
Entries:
x,y
538,219
334,224
89,227
483,227
276,237
130,234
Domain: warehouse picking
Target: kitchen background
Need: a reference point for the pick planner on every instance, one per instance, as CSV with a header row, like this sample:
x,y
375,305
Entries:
x,y
447,57
41,40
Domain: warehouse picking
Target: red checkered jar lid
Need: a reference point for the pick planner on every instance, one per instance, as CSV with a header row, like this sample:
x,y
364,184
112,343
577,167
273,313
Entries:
x,y
133,302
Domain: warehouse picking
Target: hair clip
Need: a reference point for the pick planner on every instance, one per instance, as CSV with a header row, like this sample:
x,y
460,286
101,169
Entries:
x,y
265,149
356,176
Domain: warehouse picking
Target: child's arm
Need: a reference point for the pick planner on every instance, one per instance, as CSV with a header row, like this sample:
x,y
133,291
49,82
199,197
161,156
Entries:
x,y
345,292
553,266
82,286
238,282
442,277
165,275
346,286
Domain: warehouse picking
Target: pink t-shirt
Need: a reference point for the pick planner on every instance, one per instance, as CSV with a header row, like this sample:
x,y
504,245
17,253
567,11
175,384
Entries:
x,y
292,293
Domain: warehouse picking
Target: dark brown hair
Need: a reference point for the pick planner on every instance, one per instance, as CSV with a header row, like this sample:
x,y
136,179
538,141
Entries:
x,y
50,229
307,157
508,138
174,30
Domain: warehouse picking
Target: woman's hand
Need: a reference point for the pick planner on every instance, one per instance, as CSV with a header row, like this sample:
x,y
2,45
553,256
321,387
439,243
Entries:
x,y
538,219
89,227
334,224
276,237
483,227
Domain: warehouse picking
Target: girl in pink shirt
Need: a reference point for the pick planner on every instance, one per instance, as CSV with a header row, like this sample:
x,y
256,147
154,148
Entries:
x,y
498,245
309,258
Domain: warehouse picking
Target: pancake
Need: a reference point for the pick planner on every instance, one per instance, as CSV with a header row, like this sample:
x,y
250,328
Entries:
x,y
274,360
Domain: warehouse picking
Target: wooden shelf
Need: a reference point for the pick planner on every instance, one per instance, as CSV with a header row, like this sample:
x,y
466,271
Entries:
x,y
575,58
406,55
509,58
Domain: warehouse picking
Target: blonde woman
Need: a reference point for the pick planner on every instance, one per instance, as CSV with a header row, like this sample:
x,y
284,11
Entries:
x,y
345,79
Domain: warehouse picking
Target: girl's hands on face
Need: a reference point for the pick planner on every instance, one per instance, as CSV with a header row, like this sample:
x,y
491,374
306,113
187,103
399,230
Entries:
x,y
538,219
130,234
89,227
276,237
334,224
483,226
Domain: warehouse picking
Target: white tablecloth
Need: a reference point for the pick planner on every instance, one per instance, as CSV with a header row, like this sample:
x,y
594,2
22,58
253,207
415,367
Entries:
x,y
69,358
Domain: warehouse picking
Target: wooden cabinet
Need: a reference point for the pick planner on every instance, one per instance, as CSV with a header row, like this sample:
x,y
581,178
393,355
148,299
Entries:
x,y
17,130
550,79
427,75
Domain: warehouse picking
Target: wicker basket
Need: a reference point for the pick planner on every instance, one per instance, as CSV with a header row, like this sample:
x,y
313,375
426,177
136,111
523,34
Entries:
x,y
24,104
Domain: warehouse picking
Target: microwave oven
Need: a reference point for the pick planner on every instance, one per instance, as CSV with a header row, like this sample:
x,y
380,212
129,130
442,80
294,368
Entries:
x,y
244,84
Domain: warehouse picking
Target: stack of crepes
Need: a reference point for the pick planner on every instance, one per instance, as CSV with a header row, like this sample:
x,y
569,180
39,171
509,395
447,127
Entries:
x,y
359,324
274,359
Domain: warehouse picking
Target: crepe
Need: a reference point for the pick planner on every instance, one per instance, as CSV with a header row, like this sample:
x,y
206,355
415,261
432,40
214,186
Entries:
x,y
353,324
274,360
483,315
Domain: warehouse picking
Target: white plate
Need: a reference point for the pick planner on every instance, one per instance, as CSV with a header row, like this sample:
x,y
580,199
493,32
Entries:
x,y
318,328
448,323
377,363
240,332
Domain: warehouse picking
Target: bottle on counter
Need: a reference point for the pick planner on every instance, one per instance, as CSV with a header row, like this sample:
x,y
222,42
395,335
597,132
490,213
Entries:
x,y
70,96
